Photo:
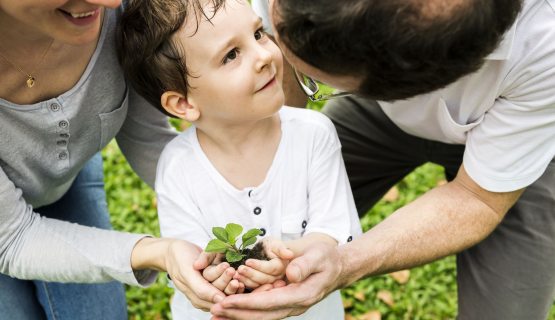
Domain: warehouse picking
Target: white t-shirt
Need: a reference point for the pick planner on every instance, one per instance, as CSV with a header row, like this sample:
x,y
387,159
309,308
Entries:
x,y
504,113
305,190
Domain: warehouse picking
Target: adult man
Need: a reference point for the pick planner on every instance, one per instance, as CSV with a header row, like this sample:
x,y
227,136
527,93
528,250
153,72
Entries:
x,y
469,85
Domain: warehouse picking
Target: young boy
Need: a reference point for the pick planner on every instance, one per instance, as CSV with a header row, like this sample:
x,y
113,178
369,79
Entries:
x,y
245,159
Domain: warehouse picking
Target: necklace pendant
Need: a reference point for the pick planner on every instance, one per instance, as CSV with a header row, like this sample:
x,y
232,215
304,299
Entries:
x,y
30,81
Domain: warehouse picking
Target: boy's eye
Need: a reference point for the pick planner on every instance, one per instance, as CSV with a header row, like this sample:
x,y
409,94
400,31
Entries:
x,y
231,55
259,34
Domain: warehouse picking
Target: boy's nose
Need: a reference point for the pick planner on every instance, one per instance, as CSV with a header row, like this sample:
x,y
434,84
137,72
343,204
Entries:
x,y
264,58
105,3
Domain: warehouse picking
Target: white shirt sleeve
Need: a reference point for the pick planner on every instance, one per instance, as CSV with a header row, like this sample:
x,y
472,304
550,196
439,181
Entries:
x,y
515,142
331,206
502,158
178,213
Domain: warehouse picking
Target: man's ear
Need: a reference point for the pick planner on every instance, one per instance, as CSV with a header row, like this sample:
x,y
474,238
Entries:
x,y
176,104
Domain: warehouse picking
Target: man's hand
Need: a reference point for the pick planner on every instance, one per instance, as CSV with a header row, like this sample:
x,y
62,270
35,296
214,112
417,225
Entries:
x,y
312,276
444,221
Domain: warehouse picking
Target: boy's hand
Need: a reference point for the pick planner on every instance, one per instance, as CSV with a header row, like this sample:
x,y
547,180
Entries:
x,y
259,272
218,273
221,277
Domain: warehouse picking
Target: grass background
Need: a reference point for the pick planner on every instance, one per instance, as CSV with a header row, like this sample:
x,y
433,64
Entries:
x,y
426,292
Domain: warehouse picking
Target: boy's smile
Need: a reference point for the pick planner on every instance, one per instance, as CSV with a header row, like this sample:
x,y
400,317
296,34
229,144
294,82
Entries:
x,y
268,84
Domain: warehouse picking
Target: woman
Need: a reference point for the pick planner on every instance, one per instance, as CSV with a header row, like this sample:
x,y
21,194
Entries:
x,y
63,98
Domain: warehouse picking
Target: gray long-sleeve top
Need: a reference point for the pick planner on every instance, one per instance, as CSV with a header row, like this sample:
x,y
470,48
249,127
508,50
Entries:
x,y
43,146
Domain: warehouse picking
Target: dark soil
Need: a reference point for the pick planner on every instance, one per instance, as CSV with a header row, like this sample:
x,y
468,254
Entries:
x,y
257,252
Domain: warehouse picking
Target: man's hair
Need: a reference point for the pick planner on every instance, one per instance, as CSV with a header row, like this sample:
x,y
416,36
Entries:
x,y
152,62
398,48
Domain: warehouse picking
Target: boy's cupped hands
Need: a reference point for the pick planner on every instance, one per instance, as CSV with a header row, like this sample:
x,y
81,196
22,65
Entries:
x,y
255,275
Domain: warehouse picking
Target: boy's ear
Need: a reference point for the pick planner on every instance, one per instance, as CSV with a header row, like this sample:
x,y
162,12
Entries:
x,y
176,104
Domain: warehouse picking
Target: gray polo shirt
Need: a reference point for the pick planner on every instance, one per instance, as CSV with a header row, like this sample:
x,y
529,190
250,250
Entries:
x,y
43,146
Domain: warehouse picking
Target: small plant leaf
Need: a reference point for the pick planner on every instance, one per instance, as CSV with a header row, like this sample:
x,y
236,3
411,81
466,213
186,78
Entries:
x,y
232,256
220,233
249,237
252,233
248,242
216,245
233,230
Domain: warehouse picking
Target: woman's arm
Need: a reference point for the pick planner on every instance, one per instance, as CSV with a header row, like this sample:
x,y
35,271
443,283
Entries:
x,y
35,247
143,136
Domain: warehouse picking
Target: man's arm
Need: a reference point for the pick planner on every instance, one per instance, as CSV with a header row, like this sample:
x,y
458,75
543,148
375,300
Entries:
x,y
443,221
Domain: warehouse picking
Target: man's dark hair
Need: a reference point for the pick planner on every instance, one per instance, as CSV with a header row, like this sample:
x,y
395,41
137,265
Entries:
x,y
399,48
151,61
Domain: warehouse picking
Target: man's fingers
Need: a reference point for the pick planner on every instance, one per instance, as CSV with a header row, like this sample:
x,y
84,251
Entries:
x,y
264,287
294,273
277,249
238,314
285,253
302,267
267,300
281,251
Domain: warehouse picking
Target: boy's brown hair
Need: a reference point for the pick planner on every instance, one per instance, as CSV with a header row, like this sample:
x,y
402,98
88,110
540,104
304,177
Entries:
x,y
152,62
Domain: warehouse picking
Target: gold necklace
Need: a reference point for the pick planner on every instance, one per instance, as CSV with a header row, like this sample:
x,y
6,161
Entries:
x,y
31,80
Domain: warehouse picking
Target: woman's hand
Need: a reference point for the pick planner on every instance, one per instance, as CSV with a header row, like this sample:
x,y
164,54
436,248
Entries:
x,y
177,257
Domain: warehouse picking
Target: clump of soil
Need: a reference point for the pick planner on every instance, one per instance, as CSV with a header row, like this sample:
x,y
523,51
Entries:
x,y
257,252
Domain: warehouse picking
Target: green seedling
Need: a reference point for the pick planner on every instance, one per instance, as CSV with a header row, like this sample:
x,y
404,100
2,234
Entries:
x,y
226,241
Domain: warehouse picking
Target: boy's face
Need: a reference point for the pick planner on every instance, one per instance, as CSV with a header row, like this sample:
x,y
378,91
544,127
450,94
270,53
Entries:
x,y
236,70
